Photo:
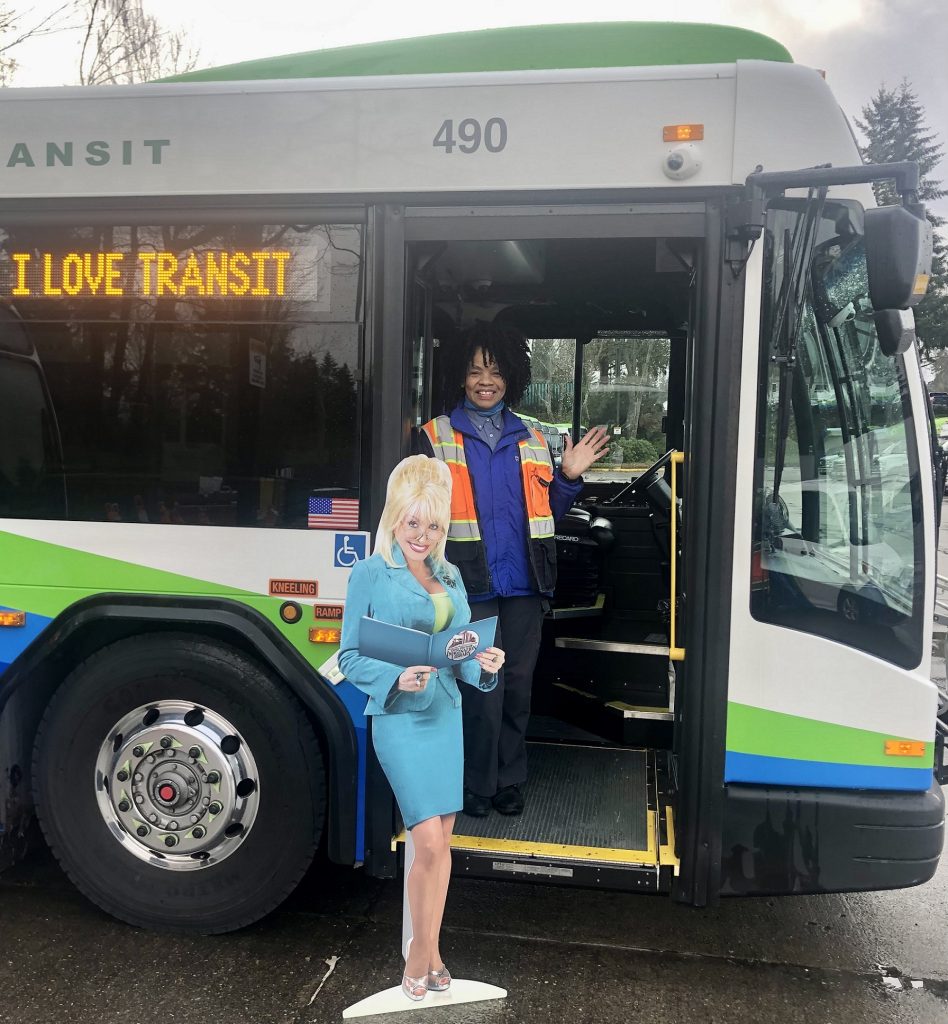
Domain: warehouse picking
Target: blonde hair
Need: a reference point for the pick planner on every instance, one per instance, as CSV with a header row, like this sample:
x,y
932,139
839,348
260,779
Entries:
x,y
422,486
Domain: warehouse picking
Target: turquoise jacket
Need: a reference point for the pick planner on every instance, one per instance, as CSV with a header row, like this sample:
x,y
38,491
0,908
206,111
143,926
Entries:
x,y
393,595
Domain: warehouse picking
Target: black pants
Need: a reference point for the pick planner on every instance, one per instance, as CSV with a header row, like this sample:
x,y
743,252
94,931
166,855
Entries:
x,y
495,722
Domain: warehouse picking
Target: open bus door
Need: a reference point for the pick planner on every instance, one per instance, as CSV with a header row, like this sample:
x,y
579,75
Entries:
x,y
608,298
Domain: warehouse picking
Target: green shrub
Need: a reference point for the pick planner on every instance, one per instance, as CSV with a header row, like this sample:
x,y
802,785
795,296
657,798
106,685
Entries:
x,y
637,451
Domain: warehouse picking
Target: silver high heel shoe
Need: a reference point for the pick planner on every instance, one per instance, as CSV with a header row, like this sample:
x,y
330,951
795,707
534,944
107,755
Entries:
x,y
415,988
439,981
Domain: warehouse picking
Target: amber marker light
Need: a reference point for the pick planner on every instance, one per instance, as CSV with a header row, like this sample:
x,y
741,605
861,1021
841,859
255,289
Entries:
x,y
325,636
683,133
12,619
290,612
921,284
905,748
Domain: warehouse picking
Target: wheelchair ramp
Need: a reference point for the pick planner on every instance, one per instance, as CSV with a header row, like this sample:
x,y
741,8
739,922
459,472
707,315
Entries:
x,y
591,817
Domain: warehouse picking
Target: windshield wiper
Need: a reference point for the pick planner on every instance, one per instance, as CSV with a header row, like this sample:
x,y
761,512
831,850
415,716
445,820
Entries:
x,y
788,317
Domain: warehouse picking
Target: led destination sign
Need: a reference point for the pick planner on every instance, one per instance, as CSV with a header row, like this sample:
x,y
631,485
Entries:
x,y
145,274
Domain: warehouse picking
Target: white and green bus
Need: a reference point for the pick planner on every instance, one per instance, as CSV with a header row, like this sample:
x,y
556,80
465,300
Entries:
x,y
225,304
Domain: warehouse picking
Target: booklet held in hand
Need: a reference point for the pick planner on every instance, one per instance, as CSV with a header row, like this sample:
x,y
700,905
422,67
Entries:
x,y
400,645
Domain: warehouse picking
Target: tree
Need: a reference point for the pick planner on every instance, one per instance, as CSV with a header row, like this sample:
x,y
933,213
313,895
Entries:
x,y
122,44
895,129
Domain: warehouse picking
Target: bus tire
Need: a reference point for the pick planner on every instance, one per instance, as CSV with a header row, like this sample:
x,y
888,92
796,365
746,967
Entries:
x,y
178,784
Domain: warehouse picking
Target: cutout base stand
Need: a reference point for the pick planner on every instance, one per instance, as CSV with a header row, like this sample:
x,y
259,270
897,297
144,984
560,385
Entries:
x,y
394,1000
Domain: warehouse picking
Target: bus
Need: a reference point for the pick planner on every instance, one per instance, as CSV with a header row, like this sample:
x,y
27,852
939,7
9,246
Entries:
x,y
230,294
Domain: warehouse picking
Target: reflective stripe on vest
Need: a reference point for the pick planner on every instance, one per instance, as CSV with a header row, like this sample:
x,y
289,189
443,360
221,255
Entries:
x,y
448,446
536,468
536,465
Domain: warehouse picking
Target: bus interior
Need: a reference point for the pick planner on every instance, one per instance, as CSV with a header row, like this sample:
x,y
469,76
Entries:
x,y
609,323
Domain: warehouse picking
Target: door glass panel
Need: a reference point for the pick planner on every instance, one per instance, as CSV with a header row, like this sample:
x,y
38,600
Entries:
x,y
549,398
838,542
625,390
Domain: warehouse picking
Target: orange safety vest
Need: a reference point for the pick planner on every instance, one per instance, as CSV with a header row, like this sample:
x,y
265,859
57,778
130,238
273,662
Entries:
x,y
536,475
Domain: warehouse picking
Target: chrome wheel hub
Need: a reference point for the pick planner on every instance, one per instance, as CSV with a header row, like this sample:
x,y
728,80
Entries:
x,y
177,785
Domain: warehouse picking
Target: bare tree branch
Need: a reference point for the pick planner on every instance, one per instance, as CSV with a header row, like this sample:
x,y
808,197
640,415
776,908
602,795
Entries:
x,y
11,36
123,44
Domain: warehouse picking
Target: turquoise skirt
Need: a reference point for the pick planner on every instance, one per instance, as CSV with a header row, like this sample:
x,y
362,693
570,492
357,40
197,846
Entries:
x,y
422,755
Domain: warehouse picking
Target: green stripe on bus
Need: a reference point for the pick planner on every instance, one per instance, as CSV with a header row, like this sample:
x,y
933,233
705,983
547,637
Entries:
x,y
60,577
53,568
523,48
753,730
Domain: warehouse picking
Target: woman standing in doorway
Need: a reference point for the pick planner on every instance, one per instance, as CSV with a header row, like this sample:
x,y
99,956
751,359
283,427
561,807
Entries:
x,y
416,709
505,500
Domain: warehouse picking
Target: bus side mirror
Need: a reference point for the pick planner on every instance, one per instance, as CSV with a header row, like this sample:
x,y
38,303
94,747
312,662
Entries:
x,y
898,244
895,329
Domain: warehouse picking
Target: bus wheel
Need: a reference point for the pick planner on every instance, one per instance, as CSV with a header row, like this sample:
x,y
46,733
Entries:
x,y
178,784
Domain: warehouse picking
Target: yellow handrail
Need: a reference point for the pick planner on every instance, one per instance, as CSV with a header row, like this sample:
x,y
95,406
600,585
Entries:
x,y
675,652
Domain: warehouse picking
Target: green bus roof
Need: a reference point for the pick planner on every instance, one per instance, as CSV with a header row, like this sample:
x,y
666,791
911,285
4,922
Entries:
x,y
527,47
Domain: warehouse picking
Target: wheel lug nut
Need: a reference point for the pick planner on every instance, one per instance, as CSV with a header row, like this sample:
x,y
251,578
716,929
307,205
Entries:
x,y
122,776
171,840
139,799
138,751
213,778
124,805
166,741
194,752
215,808
142,830
199,832
138,777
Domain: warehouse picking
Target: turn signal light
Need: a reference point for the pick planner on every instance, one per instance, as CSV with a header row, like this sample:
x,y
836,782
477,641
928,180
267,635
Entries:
x,y
683,133
325,636
12,618
905,748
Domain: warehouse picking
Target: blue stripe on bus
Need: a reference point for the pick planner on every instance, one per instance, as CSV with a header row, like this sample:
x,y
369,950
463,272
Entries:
x,y
14,640
355,701
785,771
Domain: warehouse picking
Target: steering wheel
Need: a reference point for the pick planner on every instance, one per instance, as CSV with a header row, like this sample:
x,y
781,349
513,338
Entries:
x,y
642,481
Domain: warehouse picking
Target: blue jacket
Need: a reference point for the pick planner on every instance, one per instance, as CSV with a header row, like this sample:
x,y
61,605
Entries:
x,y
501,511
393,595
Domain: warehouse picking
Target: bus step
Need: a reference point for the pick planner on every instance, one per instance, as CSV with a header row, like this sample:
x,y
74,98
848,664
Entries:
x,y
589,818
641,711
611,646
648,725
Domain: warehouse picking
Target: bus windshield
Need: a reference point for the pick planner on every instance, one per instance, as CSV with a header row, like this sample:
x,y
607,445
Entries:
x,y
838,544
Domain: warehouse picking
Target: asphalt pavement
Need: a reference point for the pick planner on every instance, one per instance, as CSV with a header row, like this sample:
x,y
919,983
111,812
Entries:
x,y
563,955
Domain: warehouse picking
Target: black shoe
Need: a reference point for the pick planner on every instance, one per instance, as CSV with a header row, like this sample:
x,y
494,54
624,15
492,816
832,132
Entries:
x,y
508,800
476,806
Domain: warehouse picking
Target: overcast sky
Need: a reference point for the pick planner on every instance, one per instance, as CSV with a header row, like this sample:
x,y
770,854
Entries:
x,y
859,43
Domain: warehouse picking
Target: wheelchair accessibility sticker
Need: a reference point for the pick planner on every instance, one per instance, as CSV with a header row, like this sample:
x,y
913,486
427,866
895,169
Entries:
x,y
347,550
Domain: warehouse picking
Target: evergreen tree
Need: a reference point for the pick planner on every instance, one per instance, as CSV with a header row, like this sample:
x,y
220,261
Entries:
x,y
894,126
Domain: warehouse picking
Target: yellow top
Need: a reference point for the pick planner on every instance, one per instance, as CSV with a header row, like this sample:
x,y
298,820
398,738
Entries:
x,y
443,609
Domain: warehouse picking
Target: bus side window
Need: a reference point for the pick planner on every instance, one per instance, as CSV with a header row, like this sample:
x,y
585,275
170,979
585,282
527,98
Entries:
x,y
30,475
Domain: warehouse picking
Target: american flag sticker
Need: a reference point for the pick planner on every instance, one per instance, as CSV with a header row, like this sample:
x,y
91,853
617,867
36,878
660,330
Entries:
x,y
333,514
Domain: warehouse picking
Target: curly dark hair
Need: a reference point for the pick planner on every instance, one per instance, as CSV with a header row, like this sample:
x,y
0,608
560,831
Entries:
x,y
500,343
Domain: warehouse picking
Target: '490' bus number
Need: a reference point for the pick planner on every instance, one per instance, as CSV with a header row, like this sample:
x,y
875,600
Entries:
x,y
470,136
